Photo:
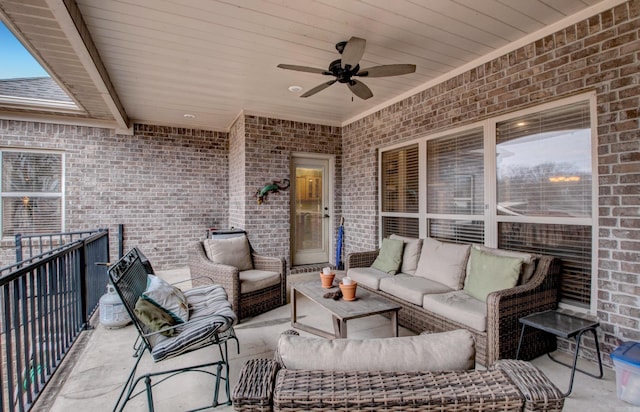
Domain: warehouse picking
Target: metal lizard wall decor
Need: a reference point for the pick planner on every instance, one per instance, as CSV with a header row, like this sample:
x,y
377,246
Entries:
x,y
273,187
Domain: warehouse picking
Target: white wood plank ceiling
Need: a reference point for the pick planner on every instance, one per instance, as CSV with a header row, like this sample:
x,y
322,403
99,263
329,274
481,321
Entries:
x,y
217,58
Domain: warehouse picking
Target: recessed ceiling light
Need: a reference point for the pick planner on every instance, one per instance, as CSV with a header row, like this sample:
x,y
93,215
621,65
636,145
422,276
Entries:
x,y
295,89
521,124
189,116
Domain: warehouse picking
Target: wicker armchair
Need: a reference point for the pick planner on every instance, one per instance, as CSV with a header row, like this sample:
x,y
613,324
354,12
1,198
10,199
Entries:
x,y
245,304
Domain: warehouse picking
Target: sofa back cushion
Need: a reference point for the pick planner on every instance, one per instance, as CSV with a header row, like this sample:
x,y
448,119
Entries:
x,y
431,352
443,262
411,253
390,256
488,273
529,261
233,251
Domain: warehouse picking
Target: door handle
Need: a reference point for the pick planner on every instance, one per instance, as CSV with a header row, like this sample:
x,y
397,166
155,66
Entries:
x,y
326,216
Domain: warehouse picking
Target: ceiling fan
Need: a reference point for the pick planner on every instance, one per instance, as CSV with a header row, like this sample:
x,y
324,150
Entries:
x,y
345,68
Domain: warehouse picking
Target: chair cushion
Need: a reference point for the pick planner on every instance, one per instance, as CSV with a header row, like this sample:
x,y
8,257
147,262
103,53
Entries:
x,y
459,307
489,273
389,258
369,277
431,352
233,251
254,279
411,288
529,261
443,262
211,313
161,306
410,255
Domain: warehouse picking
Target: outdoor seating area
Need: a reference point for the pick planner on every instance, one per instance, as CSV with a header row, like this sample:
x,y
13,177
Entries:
x,y
103,361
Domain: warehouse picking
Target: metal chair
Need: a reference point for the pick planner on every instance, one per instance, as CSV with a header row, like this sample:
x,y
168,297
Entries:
x,y
211,321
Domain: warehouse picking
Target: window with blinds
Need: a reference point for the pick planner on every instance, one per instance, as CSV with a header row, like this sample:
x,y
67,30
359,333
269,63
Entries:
x,y
543,170
455,186
571,244
399,191
400,180
544,163
31,192
539,199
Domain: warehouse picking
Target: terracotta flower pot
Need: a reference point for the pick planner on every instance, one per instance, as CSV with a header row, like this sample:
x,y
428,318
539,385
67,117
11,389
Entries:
x,y
327,280
348,291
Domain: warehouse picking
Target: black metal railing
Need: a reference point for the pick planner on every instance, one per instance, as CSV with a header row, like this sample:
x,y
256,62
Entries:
x,y
45,302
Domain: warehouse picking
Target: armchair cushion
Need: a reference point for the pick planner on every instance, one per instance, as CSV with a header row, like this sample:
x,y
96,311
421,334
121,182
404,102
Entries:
x,y
234,251
430,352
253,280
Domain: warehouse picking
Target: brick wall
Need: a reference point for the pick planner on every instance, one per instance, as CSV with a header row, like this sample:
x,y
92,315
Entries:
x,y
269,145
237,178
166,185
600,54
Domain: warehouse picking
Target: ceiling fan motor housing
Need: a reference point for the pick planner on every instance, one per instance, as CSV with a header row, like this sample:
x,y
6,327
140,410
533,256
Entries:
x,y
343,75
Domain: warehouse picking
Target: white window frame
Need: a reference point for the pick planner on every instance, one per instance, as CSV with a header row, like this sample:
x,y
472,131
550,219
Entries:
x,y
491,217
60,194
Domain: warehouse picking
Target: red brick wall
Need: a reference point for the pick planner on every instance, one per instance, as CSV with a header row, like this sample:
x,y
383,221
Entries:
x,y
600,54
166,185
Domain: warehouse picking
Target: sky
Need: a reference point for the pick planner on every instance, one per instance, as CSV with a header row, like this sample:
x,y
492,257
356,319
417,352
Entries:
x,y
15,60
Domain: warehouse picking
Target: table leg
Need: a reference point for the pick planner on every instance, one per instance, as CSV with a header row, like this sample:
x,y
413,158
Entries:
x,y
574,367
294,313
394,323
520,341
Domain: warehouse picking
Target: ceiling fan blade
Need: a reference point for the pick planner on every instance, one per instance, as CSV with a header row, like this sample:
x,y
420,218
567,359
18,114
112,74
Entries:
x,y
360,89
353,52
387,70
318,88
304,69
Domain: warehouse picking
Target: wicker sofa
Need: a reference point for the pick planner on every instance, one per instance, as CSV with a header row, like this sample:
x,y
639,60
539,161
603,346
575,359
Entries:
x,y
498,337
416,380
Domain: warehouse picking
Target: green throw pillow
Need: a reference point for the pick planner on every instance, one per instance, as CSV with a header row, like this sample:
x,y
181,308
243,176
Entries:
x,y
390,256
489,273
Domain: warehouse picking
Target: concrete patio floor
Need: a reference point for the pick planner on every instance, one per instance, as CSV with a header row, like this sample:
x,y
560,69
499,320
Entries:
x,y
103,361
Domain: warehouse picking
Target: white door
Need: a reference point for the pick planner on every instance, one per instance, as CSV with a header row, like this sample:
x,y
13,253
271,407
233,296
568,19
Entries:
x,y
310,210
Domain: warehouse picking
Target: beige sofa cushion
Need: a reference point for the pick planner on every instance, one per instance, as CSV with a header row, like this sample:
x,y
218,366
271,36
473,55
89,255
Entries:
x,y
369,277
460,307
443,262
529,261
431,352
411,288
411,253
252,280
233,251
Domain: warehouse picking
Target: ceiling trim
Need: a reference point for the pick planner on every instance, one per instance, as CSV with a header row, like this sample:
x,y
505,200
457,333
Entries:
x,y
547,30
298,119
72,24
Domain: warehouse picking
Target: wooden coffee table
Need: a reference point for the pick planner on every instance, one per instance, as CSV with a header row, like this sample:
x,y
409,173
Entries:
x,y
366,304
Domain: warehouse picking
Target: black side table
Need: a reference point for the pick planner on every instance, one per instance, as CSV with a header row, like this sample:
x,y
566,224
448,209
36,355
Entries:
x,y
563,326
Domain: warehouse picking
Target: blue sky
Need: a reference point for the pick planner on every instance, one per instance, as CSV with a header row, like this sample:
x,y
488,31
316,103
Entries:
x,y
15,60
